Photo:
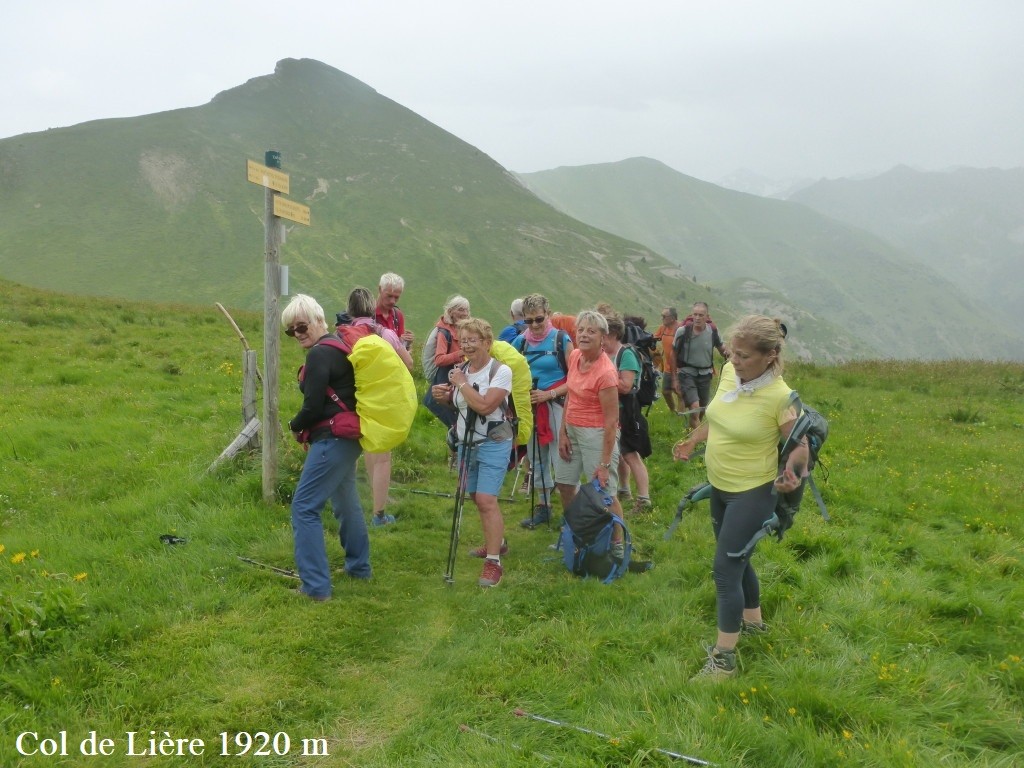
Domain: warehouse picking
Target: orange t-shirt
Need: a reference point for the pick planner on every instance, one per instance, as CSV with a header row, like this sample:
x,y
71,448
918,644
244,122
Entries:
x,y
666,335
583,407
565,323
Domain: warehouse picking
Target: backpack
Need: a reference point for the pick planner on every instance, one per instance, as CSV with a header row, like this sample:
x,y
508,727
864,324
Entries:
x,y
429,350
645,385
558,349
522,383
683,339
385,392
585,538
814,426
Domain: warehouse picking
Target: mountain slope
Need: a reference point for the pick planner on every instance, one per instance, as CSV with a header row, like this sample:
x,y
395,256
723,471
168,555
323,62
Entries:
x,y
839,274
967,224
158,207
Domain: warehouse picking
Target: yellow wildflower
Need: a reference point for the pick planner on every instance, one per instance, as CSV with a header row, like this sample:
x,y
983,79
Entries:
x,y
81,576
17,558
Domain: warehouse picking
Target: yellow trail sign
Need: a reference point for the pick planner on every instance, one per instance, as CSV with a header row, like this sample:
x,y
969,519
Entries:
x,y
287,209
267,177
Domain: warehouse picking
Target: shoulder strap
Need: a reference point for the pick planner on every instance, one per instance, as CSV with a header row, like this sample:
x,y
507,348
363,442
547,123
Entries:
x,y
560,350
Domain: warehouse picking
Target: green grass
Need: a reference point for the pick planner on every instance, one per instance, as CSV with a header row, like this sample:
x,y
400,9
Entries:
x,y
895,628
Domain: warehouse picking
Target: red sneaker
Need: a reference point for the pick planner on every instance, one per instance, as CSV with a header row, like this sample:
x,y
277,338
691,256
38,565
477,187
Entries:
x,y
481,552
491,574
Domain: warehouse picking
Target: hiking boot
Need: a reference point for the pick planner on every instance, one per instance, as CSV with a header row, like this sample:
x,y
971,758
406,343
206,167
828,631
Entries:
x,y
380,519
642,505
753,628
481,552
625,493
491,575
541,515
719,666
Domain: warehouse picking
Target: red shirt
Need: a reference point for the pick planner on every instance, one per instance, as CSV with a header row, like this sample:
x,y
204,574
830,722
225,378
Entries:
x,y
394,320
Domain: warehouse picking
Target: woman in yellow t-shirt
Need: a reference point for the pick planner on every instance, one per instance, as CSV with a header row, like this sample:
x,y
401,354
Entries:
x,y
743,425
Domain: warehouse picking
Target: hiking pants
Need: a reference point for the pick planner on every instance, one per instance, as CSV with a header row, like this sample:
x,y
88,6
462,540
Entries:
x,y
735,518
329,473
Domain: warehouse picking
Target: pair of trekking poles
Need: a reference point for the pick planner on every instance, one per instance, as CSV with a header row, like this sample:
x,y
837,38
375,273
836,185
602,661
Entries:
x,y
463,479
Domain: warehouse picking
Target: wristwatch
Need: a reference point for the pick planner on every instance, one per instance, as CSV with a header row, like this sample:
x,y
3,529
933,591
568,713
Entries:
x,y
606,465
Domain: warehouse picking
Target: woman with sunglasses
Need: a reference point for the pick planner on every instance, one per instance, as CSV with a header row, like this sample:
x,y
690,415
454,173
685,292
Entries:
x,y
329,471
547,351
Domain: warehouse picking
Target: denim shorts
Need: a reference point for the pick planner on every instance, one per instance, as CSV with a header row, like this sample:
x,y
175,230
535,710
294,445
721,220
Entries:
x,y
488,464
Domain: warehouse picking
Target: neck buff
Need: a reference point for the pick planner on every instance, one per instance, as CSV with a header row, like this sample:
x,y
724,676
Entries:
x,y
537,338
750,387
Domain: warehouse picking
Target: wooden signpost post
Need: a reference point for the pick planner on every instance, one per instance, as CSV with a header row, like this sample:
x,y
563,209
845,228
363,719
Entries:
x,y
274,181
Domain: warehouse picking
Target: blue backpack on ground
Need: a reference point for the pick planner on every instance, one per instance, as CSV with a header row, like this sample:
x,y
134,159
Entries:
x,y
586,536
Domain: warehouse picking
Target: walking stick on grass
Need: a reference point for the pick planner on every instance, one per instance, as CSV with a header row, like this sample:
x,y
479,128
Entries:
x,y
668,753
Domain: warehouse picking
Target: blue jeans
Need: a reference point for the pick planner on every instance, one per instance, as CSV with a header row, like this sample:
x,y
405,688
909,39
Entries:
x,y
329,473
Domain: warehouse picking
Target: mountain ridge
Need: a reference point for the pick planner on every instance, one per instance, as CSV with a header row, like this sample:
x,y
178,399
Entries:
x,y
837,272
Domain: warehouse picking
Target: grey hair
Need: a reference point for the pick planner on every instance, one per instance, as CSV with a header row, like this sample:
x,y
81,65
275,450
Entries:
x,y
592,318
516,310
454,302
391,280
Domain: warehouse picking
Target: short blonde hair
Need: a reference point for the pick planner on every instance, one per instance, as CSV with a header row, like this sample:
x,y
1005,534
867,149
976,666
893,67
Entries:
x,y
764,333
305,307
478,326
534,302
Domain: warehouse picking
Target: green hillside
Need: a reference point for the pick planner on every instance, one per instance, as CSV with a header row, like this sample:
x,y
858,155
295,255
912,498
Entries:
x,y
894,638
841,275
158,208
967,225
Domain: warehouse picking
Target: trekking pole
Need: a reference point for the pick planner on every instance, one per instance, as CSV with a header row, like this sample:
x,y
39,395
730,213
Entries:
x,y
533,461
668,753
271,568
460,497
466,729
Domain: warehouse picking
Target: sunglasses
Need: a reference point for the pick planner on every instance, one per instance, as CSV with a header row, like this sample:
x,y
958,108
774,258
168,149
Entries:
x,y
535,320
294,329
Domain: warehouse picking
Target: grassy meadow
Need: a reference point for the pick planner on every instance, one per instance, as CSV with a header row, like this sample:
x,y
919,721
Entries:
x,y
896,628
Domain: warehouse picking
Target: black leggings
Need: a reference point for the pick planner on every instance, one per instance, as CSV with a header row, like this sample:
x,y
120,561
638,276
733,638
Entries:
x,y
735,518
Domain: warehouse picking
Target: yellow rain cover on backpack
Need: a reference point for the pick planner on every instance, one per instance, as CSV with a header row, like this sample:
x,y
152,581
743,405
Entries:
x,y
385,394
522,382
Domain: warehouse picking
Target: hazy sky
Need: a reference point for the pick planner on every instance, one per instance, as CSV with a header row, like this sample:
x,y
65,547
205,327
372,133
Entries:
x,y
785,89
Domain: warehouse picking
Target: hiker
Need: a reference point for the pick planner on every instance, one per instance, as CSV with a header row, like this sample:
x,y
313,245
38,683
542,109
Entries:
x,y
588,439
447,354
546,349
478,389
509,332
361,309
329,471
664,355
388,315
693,347
634,439
751,411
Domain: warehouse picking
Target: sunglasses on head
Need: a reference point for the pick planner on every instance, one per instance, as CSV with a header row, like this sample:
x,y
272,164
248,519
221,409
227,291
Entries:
x,y
294,329
535,320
